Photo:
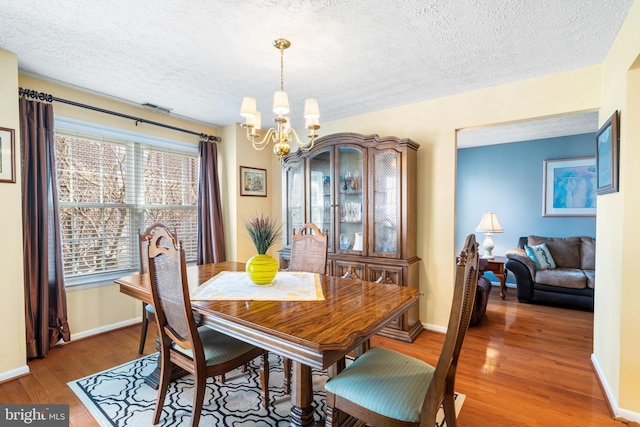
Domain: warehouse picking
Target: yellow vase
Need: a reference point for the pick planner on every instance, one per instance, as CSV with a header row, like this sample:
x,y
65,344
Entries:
x,y
262,268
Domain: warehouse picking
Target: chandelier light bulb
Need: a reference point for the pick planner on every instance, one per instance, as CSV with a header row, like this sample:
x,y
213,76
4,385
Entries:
x,y
255,121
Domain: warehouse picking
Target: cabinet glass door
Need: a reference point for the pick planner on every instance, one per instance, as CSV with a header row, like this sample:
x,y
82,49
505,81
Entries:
x,y
351,207
386,203
321,209
294,210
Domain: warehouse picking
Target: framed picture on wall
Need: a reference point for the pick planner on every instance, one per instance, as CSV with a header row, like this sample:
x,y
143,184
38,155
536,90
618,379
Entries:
x,y
253,181
7,156
607,145
569,187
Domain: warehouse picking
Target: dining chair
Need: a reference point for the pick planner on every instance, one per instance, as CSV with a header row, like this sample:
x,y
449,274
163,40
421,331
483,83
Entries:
x,y
387,388
201,351
308,254
309,250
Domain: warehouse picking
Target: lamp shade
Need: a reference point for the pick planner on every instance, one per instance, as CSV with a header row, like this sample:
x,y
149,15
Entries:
x,y
280,103
489,224
248,108
311,109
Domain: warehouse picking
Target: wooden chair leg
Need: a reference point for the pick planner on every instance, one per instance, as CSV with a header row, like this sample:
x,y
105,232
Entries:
x,y
165,378
264,378
198,398
286,366
337,367
449,405
331,419
145,326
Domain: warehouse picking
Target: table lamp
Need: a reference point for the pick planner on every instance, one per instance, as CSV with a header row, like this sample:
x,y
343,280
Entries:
x,y
489,224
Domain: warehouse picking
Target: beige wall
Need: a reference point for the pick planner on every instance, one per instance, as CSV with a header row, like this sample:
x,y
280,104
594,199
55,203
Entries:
x,y
12,352
617,318
238,152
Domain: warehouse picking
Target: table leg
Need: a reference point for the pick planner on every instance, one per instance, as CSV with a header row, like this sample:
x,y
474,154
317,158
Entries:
x,y
301,396
153,379
503,284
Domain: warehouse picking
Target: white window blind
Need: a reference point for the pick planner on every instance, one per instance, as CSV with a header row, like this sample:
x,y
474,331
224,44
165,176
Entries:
x,y
109,189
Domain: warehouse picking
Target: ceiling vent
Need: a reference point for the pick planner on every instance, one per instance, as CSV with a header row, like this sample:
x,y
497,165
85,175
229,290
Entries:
x,y
156,108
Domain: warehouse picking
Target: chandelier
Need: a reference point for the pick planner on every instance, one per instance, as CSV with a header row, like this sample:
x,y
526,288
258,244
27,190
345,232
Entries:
x,y
282,134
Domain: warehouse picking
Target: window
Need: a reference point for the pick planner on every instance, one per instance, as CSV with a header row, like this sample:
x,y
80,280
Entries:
x,y
109,188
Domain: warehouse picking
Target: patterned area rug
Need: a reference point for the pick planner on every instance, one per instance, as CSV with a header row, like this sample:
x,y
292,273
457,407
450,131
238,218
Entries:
x,y
119,397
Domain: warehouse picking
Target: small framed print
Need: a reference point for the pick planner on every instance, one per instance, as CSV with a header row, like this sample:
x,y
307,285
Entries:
x,y
607,144
7,155
253,181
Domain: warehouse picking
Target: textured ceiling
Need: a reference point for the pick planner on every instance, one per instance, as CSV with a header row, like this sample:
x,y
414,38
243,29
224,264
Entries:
x,y
200,57
525,131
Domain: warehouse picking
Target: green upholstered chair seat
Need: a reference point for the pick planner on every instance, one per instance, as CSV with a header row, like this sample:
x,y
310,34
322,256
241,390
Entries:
x,y
386,382
218,347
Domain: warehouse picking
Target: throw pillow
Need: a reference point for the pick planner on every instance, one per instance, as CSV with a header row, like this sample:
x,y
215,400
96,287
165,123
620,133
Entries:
x,y
540,256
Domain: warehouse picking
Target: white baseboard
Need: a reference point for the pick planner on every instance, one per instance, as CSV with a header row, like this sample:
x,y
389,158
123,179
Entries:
x,y
613,402
14,373
107,328
434,328
628,415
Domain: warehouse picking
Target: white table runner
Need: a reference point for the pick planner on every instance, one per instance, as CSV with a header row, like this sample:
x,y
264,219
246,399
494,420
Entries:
x,y
235,285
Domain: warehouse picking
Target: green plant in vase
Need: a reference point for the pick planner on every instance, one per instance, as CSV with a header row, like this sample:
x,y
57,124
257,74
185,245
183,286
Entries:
x,y
264,231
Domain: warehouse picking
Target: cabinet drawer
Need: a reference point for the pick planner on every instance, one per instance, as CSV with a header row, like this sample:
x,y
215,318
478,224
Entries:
x,y
353,270
385,274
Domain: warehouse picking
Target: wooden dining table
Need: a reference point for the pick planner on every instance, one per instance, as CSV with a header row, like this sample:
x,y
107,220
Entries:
x,y
313,334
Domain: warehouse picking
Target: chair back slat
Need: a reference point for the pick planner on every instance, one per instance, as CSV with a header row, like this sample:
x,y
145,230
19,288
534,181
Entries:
x,y
309,250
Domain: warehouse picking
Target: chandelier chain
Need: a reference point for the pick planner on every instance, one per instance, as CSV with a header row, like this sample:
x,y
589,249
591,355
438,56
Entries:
x,y
281,68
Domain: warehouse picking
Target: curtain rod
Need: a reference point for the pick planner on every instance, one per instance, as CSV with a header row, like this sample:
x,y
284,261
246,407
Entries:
x,y
50,98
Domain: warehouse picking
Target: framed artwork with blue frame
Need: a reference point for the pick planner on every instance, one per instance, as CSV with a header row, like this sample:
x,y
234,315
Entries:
x,y
569,187
607,146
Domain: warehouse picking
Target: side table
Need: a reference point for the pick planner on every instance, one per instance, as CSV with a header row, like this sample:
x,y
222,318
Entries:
x,y
496,266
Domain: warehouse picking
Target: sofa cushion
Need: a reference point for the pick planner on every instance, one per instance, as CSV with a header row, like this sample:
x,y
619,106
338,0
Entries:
x,y
564,250
591,278
588,253
540,256
562,277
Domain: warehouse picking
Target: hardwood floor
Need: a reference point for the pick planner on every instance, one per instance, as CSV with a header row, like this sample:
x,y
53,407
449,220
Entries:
x,y
523,365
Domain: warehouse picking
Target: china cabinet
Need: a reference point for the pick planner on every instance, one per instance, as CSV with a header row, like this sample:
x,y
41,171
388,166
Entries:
x,y
361,190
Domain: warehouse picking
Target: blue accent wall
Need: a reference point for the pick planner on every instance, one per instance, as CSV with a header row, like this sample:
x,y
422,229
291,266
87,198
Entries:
x,y
507,179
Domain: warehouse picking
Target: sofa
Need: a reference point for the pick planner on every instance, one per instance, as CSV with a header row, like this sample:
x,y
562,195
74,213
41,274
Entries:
x,y
556,271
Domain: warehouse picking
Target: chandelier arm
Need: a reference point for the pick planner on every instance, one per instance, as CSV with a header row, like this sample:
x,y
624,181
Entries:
x,y
261,145
304,147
